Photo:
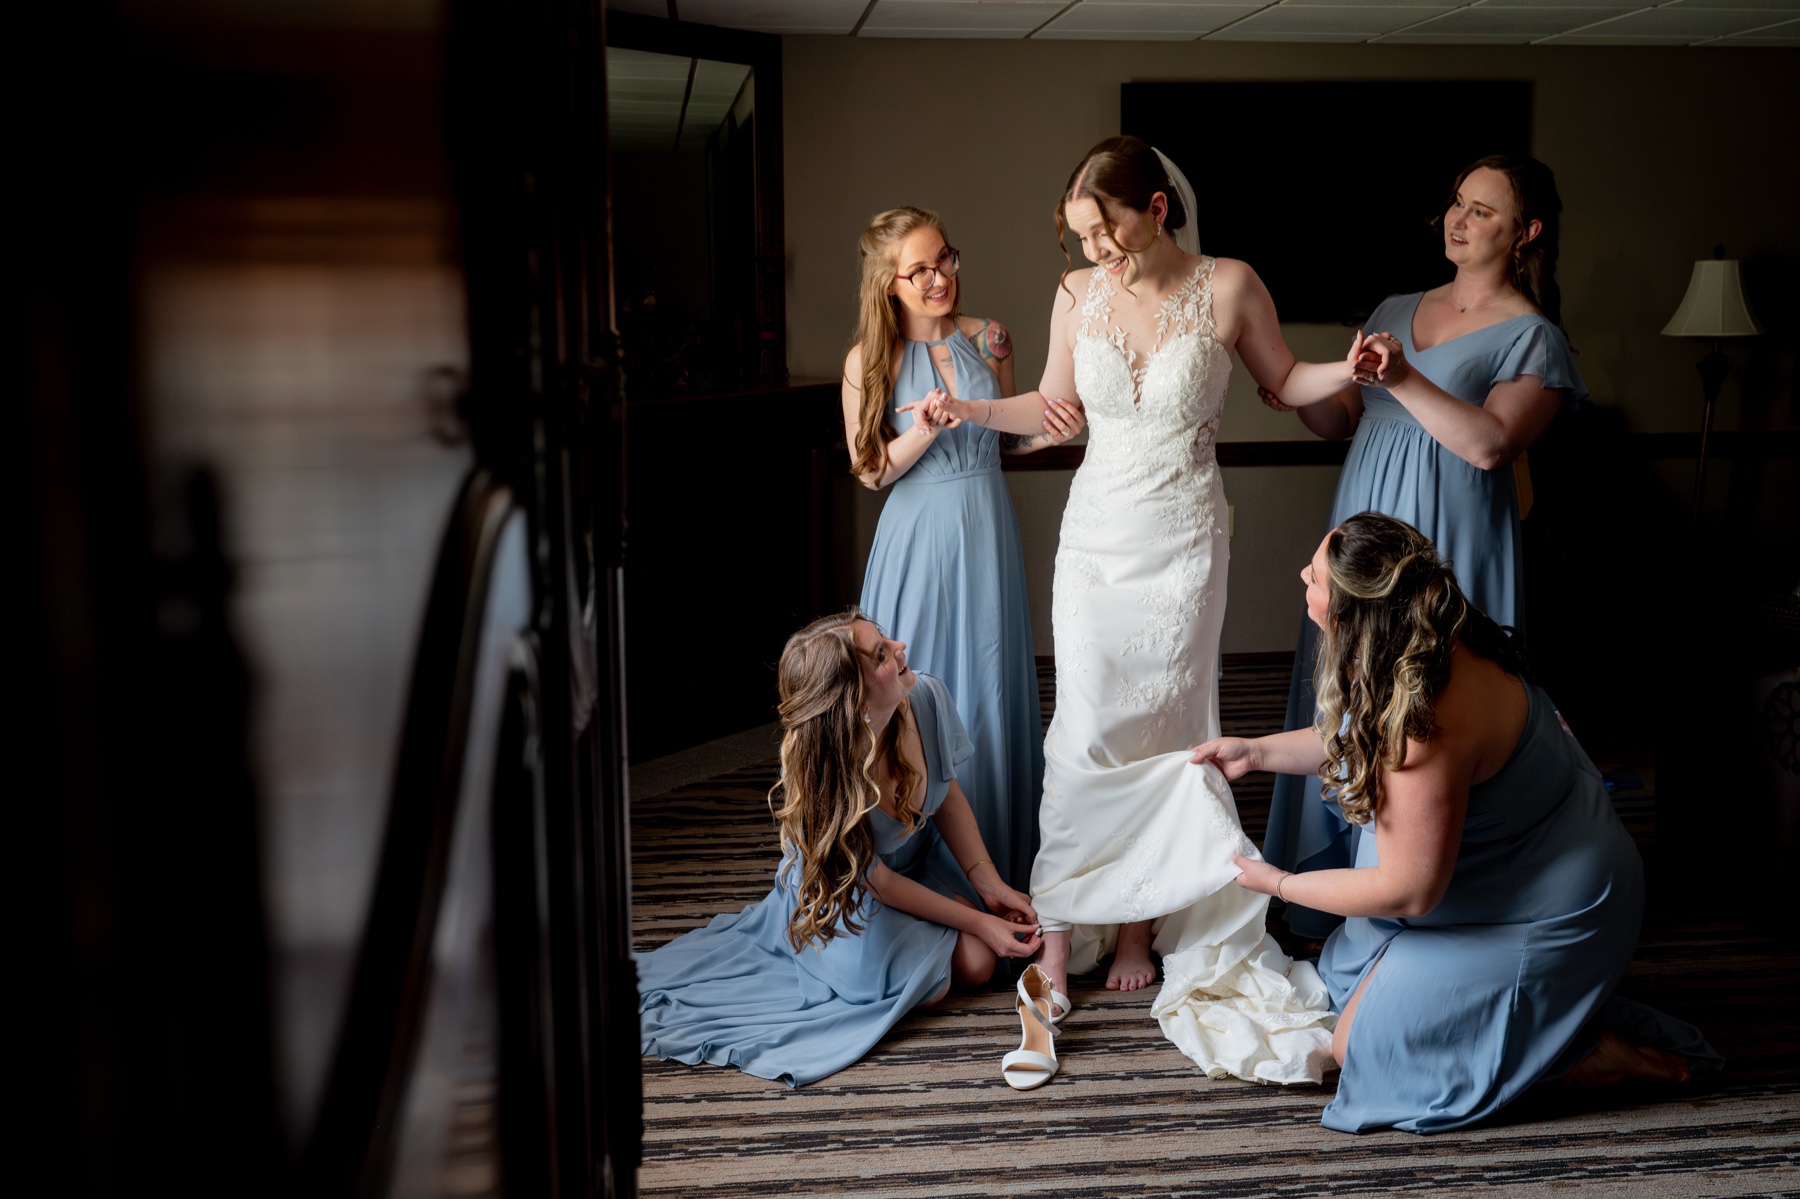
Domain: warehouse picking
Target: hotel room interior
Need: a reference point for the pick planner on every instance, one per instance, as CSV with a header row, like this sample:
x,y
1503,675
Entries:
x,y
432,433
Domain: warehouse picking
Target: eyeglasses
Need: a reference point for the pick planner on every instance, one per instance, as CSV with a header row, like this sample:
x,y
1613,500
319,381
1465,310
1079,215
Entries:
x,y
948,263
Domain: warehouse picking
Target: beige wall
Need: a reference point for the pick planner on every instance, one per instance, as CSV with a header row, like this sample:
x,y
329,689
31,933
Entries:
x,y
1659,154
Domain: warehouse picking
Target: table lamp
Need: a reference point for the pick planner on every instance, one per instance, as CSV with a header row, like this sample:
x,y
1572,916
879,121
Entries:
x,y
1713,307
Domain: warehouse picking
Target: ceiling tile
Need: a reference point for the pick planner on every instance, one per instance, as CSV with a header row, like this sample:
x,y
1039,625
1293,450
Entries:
x,y
1692,24
1572,5
1616,39
1339,21
1776,5
716,85
1150,22
1787,33
1240,33
776,16
958,18
1523,24
1420,38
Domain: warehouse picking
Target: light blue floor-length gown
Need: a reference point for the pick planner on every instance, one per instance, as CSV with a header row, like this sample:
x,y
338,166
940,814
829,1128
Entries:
x,y
735,993
946,575
1509,980
1472,515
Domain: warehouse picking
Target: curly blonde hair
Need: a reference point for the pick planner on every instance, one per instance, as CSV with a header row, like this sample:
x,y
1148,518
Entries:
x,y
878,328
1393,615
828,782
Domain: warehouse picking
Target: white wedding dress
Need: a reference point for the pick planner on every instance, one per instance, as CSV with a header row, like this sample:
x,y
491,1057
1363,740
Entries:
x,y
1130,830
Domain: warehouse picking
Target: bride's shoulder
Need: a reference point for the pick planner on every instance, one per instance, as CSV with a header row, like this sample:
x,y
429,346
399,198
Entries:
x,y
1233,274
1072,290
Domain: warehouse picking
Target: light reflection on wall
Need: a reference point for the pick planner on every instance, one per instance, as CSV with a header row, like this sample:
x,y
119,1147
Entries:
x,y
291,344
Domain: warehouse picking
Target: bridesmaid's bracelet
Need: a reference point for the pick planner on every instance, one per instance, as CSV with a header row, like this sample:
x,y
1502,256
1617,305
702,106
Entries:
x,y
1285,876
970,871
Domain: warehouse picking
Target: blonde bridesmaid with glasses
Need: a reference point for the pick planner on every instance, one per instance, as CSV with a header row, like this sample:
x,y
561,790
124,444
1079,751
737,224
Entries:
x,y
946,571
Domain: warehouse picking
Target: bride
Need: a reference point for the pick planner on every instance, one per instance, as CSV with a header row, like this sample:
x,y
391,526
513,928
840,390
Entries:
x,y
1136,843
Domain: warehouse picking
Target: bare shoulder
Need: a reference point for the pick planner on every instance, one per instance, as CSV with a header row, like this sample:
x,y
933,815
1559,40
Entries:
x,y
1233,277
1070,290
989,337
1481,711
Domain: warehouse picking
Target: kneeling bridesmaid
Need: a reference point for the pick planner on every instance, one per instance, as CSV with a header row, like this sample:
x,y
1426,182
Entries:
x,y
1496,897
876,904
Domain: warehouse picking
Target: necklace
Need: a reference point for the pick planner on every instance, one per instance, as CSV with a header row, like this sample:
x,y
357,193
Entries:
x,y
1450,296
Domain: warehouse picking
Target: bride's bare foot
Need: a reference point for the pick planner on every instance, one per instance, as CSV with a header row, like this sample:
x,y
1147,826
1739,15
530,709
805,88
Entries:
x,y
1616,1060
1053,959
1131,965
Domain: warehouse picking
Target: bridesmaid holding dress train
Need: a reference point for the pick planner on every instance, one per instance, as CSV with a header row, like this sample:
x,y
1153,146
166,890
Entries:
x,y
946,572
1494,901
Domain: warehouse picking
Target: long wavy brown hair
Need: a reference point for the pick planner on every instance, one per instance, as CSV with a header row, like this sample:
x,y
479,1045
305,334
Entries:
x,y
1393,615
831,769
1534,191
1120,171
878,327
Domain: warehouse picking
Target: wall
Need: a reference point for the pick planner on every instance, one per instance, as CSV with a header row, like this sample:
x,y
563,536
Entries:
x,y
1660,153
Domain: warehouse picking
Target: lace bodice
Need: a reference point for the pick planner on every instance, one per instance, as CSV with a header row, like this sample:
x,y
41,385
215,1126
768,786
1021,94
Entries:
x,y
1160,408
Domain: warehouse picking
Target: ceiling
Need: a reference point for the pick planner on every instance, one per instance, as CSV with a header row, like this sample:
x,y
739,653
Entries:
x,y
650,104
1386,22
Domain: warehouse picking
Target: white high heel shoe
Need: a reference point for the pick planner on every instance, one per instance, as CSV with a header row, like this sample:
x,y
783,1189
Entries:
x,y
1033,1063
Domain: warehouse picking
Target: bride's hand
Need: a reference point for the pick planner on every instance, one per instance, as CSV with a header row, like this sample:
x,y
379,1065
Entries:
x,y
1063,419
1234,756
1258,875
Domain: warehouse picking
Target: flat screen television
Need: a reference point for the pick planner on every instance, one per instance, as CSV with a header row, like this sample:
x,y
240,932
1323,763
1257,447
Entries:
x,y
1328,189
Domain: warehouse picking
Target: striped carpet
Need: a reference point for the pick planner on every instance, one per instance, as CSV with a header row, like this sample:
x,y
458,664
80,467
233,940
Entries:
x,y
927,1115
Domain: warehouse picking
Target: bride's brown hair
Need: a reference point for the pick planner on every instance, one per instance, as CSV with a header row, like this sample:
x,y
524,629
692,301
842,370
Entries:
x,y
1123,171
1393,614
828,784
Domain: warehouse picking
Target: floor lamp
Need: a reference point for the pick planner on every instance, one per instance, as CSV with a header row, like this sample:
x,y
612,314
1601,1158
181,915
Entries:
x,y
1713,307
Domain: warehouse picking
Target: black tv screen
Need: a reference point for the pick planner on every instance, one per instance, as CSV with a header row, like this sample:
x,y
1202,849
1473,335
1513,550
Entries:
x,y
1328,189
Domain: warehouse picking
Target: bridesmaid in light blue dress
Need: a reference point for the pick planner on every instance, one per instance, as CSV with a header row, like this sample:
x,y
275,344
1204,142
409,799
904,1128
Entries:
x,y
1435,445
740,991
946,571
1495,897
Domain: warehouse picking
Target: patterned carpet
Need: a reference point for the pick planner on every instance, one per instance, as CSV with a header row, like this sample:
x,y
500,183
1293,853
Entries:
x,y
927,1115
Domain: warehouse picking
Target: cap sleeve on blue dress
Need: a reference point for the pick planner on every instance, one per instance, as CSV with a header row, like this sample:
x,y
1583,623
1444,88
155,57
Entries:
x,y
1541,350
941,733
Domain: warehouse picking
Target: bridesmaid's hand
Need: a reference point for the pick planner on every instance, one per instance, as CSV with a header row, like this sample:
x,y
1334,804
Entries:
x,y
1378,360
1063,419
1002,937
1257,875
1007,903
1271,400
931,412
1234,756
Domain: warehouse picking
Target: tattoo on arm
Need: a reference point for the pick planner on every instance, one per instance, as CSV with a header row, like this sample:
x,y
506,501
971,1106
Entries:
x,y
1019,443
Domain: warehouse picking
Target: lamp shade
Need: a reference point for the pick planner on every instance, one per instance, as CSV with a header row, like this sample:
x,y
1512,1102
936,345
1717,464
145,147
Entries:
x,y
1714,305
